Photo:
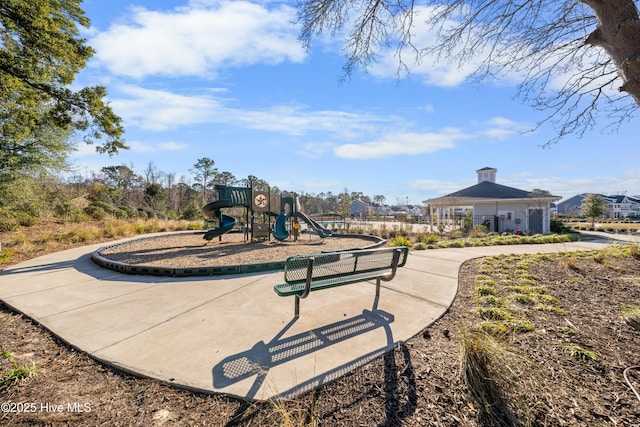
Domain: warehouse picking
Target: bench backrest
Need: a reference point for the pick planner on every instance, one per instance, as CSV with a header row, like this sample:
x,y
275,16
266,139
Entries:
x,y
341,264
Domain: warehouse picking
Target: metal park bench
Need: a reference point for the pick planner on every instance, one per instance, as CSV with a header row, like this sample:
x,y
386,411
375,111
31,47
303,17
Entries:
x,y
304,274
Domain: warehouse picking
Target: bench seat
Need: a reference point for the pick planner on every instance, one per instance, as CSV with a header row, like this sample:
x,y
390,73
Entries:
x,y
289,289
307,273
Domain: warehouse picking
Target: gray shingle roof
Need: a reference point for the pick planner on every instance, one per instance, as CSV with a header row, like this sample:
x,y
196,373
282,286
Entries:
x,y
491,190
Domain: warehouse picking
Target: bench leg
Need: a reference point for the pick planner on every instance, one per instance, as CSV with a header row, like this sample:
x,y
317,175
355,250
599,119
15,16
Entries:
x,y
297,307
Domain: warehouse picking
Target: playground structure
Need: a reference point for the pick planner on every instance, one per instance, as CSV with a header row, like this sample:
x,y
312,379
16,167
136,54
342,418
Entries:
x,y
256,204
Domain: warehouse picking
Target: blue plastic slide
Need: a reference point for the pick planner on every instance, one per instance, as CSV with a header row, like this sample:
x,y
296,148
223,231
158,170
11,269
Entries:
x,y
280,231
212,210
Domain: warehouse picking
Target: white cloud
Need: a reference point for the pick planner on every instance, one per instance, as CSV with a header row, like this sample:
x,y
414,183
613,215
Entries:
x,y
298,120
143,147
82,149
172,146
160,110
433,70
500,128
402,143
314,150
198,39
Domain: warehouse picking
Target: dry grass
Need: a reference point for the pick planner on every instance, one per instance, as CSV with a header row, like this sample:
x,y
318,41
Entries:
x,y
51,236
631,315
491,371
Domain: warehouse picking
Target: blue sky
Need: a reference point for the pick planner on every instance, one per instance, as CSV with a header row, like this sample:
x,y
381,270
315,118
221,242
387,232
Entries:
x,y
229,80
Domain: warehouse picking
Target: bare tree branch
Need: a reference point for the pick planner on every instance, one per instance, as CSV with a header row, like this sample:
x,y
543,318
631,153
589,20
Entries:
x,y
571,56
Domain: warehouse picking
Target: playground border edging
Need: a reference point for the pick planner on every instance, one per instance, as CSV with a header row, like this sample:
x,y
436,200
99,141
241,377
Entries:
x,y
220,270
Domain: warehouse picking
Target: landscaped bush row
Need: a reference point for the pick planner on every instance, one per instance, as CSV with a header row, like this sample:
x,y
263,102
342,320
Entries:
x,y
607,229
490,240
601,220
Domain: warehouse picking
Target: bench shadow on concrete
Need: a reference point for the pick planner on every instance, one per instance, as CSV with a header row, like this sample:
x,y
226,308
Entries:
x,y
41,268
259,359
82,264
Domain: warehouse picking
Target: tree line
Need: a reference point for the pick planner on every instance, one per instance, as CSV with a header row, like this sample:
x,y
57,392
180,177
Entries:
x,y
122,192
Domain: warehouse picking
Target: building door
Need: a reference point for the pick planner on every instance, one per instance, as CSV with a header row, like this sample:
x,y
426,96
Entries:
x,y
535,221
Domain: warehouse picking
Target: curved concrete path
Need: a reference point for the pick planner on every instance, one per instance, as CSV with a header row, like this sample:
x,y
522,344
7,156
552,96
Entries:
x,y
233,334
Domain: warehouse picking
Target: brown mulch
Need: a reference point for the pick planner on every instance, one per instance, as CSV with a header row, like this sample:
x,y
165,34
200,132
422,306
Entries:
x,y
191,250
418,384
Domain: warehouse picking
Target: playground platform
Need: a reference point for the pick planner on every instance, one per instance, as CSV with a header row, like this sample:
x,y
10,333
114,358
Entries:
x,y
233,334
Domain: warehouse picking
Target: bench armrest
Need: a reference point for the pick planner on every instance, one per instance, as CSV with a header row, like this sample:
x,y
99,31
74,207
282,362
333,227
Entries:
x,y
307,285
394,264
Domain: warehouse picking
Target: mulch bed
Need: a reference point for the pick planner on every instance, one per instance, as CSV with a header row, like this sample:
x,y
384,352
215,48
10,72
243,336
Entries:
x,y
191,250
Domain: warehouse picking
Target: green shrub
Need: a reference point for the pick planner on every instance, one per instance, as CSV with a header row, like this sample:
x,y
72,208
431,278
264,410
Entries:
x,y
484,290
455,244
478,231
26,219
5,256
8,224
400,241
16,374
454,234
523,298
62,209
192,212
494,328
490,301
580,355
144,229
429,238
95,212
631,315
521,326
493,313
557,226
172,215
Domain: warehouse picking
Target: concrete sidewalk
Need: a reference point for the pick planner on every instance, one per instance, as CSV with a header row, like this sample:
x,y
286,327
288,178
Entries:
x,y
233,334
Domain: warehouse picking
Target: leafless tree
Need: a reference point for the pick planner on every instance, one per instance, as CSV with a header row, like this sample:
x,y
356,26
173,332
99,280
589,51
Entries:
x,y
570,56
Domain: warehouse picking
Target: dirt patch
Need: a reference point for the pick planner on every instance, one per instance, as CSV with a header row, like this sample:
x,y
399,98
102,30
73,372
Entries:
x,y
418,384
191,250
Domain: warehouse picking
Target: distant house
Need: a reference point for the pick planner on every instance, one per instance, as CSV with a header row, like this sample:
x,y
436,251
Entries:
x,y
618,206
379,209
414,210
498,207
623,206
570,206
359,208
362,209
